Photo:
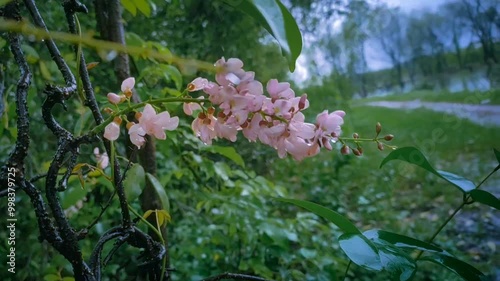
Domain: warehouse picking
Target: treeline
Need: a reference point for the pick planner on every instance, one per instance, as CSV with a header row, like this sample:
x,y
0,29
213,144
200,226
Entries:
x,y
423,47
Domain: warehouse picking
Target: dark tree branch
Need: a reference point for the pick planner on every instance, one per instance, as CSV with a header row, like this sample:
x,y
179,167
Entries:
x,y
53,50
20,152
61,235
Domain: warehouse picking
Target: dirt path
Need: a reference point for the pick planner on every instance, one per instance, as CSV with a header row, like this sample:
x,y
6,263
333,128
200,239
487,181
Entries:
x,y
488,115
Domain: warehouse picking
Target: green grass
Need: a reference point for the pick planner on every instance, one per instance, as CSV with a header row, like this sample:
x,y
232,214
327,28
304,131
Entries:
x,y
401,197
488,97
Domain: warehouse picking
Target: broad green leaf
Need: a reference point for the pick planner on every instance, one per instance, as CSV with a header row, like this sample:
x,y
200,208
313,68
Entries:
x,y
402,241
414,156
172,73
465,270
340,221
360,250
143,7
45,71
72,196
81,122
133,39
129,6
160,191
68,279
226,151
486,198
497,155
134,182
395,261
278,21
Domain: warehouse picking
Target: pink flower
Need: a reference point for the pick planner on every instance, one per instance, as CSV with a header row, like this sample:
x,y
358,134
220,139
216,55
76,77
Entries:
x,y
328,127
114,98
189,107
102,159
112,130
330,123
128,85
279,90
197,84
136,134
229,72
203,127
225,131
152,124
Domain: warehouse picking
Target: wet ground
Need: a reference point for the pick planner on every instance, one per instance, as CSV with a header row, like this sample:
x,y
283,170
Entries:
x,y
487,115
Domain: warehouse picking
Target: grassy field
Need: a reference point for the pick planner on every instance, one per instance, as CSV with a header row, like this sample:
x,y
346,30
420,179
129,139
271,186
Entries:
x,y
489,97
400,197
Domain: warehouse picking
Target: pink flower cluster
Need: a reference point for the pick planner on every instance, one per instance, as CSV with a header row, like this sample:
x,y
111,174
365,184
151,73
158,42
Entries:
x,y
150,123
276,120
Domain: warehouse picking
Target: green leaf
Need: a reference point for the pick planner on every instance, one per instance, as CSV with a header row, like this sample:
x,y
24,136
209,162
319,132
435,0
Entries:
x,y
32,55
340,221
51,277
45,71
278,21
134,182
73,195
497,155
133,39
143,7
395,261
226,151
486,198
402,241
129,6
360,250
160,191
413,156
465,270
172,73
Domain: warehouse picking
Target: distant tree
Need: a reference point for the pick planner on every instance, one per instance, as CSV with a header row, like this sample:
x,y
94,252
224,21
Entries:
x,y
483,18
456,24
389,29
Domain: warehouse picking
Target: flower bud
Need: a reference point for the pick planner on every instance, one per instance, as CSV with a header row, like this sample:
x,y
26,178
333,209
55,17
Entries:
x,y
303,101
380,146
130,124
202,115
388,137
138,115
356,152
211,110
345,150
114,98
221,115
108,110
378,128
118,120
355,135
